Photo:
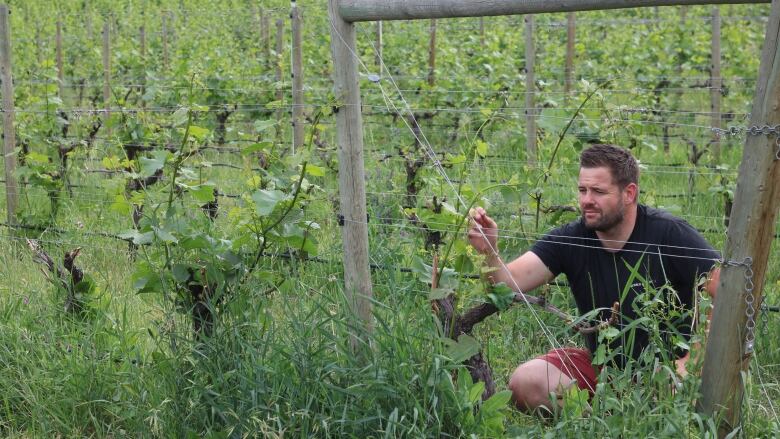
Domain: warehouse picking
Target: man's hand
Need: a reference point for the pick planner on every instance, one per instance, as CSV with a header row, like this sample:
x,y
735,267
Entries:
x,y
483,233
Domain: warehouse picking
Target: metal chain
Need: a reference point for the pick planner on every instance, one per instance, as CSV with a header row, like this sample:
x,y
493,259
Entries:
x,y
777,153
750,309
755,130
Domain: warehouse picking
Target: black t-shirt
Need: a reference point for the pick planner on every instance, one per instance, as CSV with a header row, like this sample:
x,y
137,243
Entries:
x,y
662,252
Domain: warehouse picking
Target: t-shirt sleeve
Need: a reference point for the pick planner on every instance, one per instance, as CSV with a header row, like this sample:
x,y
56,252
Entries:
x,y
554,249
689,255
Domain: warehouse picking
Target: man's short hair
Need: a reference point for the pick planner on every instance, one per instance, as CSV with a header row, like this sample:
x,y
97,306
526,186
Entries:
x,y
620,162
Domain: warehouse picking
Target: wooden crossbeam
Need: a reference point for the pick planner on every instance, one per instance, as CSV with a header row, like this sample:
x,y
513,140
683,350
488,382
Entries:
x,y
372,10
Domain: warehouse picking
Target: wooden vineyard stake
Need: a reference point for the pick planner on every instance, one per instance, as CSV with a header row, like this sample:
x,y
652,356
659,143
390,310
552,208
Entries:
x,y
378,47
297,77
352,190
716,83
60,74
142,41
9,132
530,86
278,64
751,228
107,75
569,69
432,55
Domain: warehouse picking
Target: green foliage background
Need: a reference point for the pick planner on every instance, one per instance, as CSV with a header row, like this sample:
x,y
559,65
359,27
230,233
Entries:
x,y
278,362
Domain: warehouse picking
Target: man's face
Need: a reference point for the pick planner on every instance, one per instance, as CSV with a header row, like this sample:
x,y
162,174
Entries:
x,y
602,202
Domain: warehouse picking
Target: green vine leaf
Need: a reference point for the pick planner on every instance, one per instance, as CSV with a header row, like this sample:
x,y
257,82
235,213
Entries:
x,y
151,165
501,296
266,200
463,349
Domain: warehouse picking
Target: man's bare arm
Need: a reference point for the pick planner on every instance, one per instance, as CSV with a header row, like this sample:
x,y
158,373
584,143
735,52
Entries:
x,y
523,274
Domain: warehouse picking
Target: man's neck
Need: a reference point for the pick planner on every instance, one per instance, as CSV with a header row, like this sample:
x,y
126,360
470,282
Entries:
x,y
615,238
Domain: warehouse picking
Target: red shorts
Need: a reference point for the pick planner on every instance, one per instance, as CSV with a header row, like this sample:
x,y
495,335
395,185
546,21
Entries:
x,y
575,363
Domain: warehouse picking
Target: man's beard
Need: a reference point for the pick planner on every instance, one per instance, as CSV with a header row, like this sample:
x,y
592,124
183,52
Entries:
x,y
606,222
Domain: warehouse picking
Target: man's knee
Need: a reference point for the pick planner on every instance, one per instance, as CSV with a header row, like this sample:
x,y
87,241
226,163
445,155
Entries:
x,y
529,385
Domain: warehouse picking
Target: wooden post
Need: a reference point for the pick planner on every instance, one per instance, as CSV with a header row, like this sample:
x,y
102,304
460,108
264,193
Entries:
x,y
432,55
107,74
569,70
60,74
530,87
752,225
378,47
165,40
142,42
297,74
716,83
352,191
278,63
9,132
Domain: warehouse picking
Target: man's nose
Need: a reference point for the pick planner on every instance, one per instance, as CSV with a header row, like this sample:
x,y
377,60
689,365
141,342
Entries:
x,y
585,197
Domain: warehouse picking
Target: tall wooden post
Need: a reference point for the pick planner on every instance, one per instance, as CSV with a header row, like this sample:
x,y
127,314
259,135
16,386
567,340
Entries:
x,y
9,133
352,191
752,225
530,87
107,74
297,77
142,43
165,41
432,55
569,69
378,46
278,63
60,74
716,83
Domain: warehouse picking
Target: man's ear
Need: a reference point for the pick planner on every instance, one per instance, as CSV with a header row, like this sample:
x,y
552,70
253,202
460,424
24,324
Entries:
x,y
631,193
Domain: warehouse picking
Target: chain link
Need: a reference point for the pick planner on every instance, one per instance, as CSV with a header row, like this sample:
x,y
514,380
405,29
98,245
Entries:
x,y
777,153
750,309
755,130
